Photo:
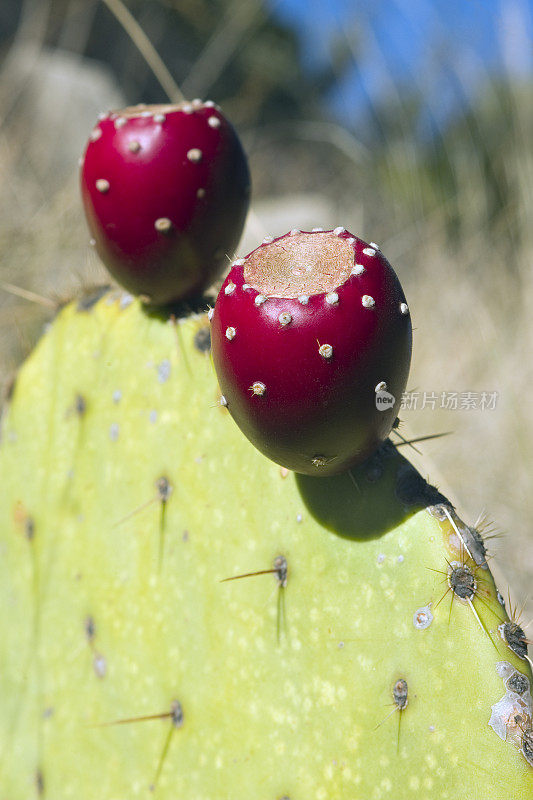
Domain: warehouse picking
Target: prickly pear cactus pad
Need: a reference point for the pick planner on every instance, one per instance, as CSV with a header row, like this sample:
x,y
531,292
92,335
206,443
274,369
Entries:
x,y
360,650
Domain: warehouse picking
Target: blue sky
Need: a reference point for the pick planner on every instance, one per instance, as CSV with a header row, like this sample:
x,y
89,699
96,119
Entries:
x,y
442,48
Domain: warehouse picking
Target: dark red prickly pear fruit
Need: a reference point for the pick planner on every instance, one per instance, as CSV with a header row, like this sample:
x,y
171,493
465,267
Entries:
x,y
166,191
311,340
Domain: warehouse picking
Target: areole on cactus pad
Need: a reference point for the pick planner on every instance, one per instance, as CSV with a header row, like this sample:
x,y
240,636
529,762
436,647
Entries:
x,y
166,191
312,344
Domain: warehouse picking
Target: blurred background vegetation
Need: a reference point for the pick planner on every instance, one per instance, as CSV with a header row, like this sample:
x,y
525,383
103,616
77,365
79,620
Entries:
x,y
410,123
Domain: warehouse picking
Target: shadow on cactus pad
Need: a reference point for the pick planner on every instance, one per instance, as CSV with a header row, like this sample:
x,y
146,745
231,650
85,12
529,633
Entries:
x,y
367,501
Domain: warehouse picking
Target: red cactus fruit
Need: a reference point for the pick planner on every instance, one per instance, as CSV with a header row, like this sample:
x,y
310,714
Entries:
x,y
311,340
166,191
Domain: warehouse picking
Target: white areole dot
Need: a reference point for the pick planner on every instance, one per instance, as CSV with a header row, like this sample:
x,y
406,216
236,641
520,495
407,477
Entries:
x,y
422,618
214,122
194,155
230,288
134,147
369,251
332,298
258,388
223,401
325,350
284,318
102,185
238,263
317,230
368,301
404,308
303,299
163,224
200,193
268,239
374,245
230,333
120,122
358,269
339,230
159,118
294,231
381,386
210,314
95,135
259,299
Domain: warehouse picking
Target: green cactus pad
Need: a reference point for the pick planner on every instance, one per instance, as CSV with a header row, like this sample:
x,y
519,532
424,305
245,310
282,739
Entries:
x,y
347,669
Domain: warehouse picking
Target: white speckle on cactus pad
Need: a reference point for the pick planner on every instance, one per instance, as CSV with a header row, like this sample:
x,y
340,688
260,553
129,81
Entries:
x,y
404,308
422,618
259,299
117,396
99,665
126,300
358,269
120,122
338,231
238,263
400,559
230,288
504,669
381,386
508,715
381,558
317,230
163,371
153,416
374,245
332,298
368,301
223,402
285,318
299,517
194,155
159,118
95,135
303,299
369,251
200,193
268,239
114,431
134,147
325,350
294,231
102,185
213,122
230,333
